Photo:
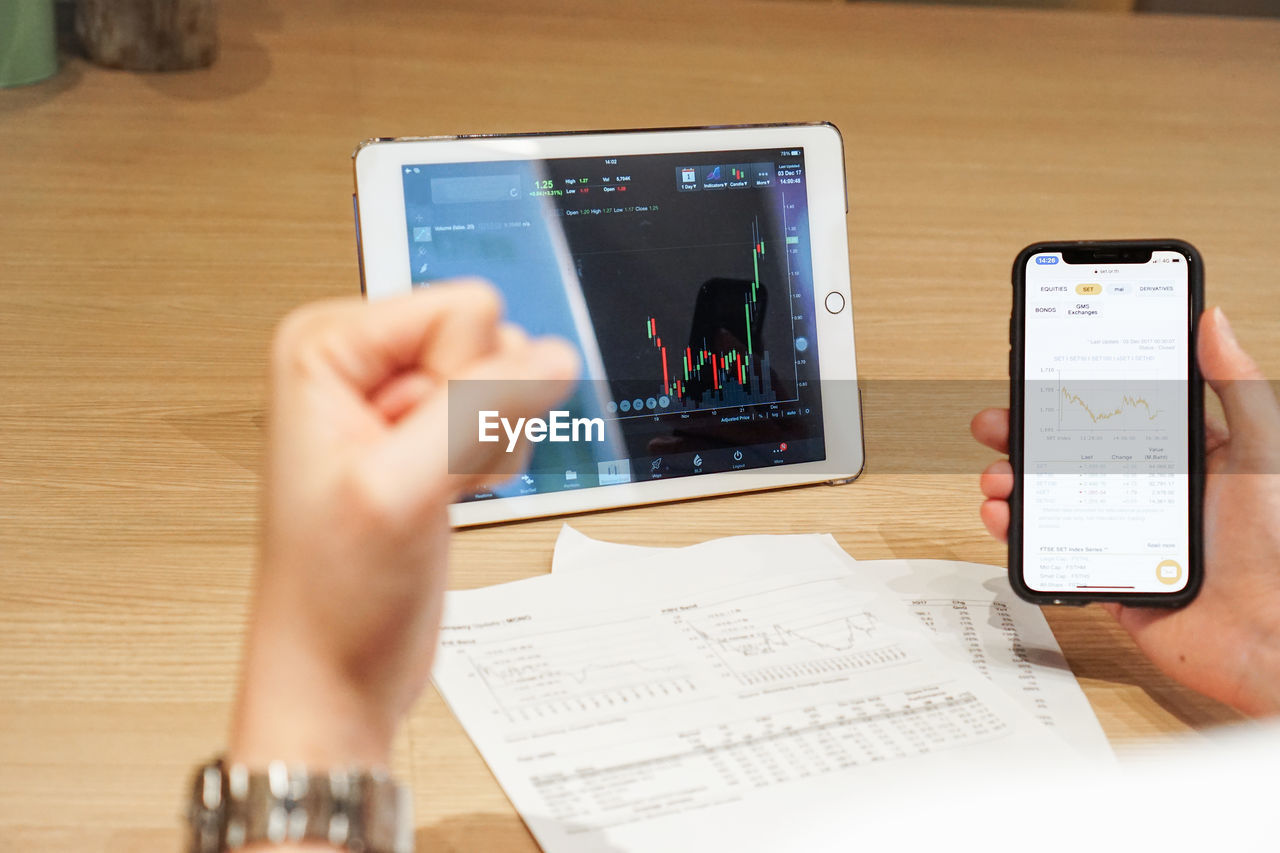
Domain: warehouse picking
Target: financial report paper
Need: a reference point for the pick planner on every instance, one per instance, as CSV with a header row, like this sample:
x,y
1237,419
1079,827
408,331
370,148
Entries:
x,y
969,608
687,700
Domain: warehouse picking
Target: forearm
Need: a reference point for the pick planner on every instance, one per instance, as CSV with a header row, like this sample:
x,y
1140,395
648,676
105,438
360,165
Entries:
x,y
294,707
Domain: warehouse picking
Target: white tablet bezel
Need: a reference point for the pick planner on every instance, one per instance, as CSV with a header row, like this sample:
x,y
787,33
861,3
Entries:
x,y
381,231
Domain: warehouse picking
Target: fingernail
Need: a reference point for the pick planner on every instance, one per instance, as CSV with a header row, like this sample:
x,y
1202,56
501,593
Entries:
x,y
1227,332
554,358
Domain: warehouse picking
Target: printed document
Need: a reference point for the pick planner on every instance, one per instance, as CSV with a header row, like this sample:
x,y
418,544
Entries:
x,y
969,608
692,698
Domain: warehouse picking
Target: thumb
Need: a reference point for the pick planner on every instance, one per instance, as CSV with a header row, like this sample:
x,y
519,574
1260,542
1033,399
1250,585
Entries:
x,y
433,453
1253,415
523,383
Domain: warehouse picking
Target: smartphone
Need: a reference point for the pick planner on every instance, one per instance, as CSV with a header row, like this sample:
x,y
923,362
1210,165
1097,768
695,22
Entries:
x,y
1106,423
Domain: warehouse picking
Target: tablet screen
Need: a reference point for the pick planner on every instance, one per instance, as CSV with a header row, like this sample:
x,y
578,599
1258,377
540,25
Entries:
x,y
685,280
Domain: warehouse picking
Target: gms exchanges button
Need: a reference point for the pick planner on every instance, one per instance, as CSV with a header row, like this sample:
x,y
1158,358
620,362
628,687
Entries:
x,y
1169,572
1088,289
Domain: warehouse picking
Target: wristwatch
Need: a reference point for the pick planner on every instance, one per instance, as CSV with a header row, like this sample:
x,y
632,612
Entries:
x,y
364,811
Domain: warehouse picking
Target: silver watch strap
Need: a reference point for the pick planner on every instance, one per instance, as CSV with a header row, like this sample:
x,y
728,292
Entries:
x,y
363,811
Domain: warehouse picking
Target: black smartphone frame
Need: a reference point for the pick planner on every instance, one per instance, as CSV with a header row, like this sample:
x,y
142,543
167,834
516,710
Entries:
x,y
1110,252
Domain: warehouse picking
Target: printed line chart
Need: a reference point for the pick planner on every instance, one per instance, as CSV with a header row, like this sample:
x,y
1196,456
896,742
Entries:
x,y
599,667
768,635
788,633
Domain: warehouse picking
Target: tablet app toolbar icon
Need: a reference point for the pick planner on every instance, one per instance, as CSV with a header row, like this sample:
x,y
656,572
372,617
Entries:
x,y
614,471
687,179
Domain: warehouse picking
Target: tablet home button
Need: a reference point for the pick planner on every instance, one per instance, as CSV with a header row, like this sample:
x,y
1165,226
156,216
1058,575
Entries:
x,y
835,302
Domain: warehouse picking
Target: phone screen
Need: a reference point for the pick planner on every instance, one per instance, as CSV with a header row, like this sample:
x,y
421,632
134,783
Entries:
x,y
1106,502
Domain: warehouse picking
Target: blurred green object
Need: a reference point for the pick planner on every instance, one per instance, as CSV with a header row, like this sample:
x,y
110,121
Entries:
x,y
28,42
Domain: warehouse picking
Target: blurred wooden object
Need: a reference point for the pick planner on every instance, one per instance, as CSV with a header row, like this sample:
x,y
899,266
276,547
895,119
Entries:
x,y
155,227
149,35
1256,8
1083,5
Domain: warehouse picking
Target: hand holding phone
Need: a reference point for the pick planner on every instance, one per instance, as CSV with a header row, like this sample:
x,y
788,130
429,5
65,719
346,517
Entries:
x,y
1225,644
1107,423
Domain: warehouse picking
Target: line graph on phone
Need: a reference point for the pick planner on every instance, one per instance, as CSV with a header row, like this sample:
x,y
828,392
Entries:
x,y
1110,403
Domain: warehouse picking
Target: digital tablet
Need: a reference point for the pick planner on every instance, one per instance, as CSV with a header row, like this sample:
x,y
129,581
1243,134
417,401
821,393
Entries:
x,y
702,273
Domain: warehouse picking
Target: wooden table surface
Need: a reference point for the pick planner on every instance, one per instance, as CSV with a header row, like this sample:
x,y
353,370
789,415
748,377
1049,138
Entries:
x,y
154,228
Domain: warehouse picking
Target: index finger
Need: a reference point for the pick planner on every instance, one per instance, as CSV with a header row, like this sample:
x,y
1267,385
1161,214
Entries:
x,y
991,427
436,329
